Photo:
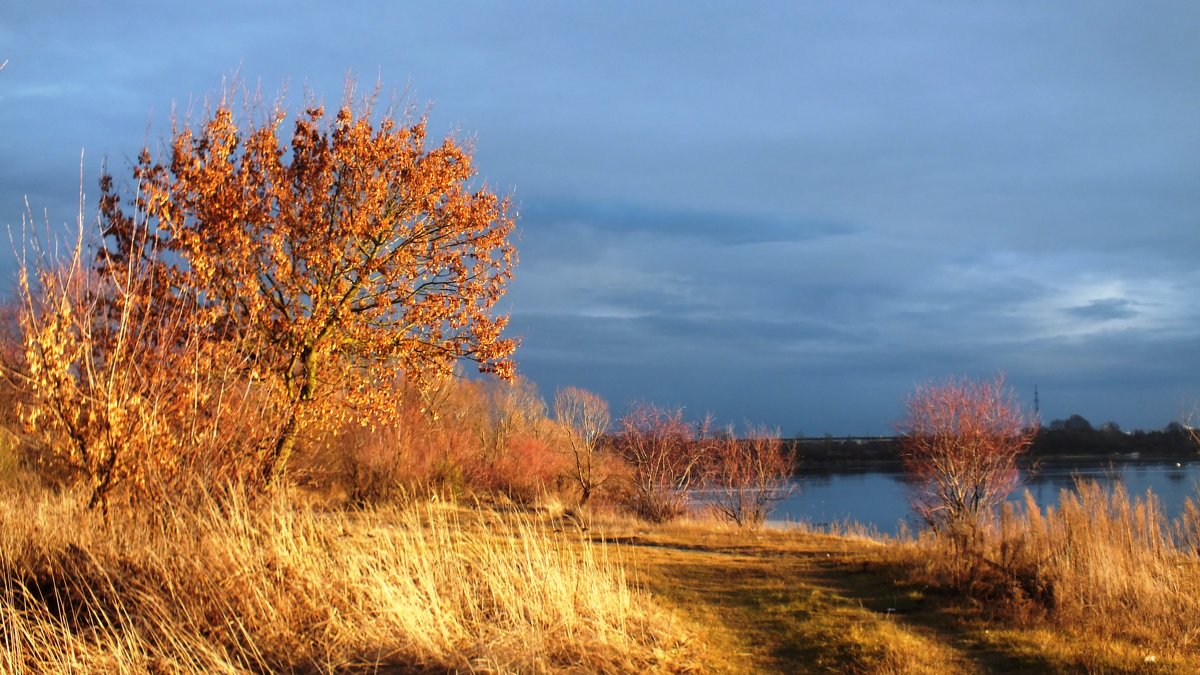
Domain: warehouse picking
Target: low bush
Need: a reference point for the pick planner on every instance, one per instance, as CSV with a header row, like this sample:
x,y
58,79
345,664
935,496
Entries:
x,y
748,476
665,461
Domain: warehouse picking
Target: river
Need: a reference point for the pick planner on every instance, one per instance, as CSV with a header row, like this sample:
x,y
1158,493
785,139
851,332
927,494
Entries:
x,y
878,498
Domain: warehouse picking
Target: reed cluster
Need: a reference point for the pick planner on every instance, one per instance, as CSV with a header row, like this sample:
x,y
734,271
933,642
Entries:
x,y
250,584
1101,563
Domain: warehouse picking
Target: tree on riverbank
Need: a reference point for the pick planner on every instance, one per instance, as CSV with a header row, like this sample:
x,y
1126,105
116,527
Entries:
x,y
584,418
665,460
749,476
961,440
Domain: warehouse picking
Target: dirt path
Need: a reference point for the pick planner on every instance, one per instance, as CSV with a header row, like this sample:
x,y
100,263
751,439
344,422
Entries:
x,y
817,604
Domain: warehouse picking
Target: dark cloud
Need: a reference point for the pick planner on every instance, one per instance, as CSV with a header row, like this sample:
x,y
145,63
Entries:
x,y
786,212
1106,309
615,217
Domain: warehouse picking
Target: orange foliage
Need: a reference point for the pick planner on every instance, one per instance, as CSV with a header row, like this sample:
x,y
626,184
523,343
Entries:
x,y
518,457
528,468
331,259
458,437
118,394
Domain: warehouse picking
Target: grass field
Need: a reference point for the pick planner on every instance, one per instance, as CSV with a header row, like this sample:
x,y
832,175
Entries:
x,y
234,586
813,603
263,585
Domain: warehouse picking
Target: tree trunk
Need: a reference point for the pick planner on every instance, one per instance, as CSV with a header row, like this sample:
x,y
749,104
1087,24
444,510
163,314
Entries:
x,y
274,467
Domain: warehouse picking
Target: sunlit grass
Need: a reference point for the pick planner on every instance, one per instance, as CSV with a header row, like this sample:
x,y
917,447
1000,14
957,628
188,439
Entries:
x,y
800,600
1107,580
232,586
237,584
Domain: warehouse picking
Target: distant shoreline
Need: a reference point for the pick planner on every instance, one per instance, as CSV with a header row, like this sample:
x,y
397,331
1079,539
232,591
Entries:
x,y
870,453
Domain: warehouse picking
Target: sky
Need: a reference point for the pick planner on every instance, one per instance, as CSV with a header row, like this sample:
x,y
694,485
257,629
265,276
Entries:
x,y
788,214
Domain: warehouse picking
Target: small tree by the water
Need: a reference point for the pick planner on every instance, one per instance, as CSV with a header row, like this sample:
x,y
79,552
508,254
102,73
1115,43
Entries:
x,y
961,440
664,458
750,475
584,418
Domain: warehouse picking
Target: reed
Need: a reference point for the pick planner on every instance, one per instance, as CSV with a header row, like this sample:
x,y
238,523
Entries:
x,y
230,584
1102,564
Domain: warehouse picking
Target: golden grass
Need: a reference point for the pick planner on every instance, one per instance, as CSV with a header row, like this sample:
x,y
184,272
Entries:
x,y
785,601
231,586
1102,556
1101,584
1104,583
1110,581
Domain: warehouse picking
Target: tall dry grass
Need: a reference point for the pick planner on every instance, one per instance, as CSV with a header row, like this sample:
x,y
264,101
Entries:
x,y
227,585
1101,563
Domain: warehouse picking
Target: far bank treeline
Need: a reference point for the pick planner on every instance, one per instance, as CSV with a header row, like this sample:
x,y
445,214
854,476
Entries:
x,y
1072,438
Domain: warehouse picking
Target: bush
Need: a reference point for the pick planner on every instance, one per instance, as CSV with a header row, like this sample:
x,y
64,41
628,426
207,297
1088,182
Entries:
x,y
123,397
584,419
665,460
749,476
961,440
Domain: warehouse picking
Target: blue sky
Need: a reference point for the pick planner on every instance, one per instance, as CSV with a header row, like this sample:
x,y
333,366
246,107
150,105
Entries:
x,y
787,213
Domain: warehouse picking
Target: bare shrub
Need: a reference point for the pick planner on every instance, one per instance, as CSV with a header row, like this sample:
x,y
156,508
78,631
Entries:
x,y
515,408
584,419
528,469
516,457
462,437
748,476
417,446
665,460
960,447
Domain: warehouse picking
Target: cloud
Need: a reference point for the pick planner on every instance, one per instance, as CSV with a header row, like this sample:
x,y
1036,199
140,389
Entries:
x,y
1106,309
727,228
794,229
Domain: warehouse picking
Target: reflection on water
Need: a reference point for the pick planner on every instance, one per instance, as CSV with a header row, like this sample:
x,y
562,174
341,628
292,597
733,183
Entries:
x,y
879,498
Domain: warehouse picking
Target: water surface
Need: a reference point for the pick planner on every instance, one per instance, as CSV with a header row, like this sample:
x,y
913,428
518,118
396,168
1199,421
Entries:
x,y
878,498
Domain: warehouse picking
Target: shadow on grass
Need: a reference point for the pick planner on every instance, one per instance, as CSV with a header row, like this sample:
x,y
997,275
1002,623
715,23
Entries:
x,y
881,588
818,605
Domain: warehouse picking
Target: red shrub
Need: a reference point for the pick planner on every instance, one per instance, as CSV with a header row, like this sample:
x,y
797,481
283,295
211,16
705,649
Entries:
x,y
961,442
664,458
749,475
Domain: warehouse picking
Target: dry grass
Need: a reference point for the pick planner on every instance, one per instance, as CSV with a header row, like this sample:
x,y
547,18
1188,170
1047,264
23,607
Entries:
x,y
264,585
787,601
232,586
1103,570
